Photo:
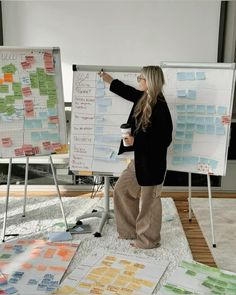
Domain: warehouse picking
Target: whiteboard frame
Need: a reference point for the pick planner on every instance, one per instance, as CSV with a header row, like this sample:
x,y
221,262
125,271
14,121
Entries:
x,y
229,66
59,84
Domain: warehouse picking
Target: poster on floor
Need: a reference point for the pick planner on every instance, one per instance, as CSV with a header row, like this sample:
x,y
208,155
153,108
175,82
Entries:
x,y
34,266
192,277
114,273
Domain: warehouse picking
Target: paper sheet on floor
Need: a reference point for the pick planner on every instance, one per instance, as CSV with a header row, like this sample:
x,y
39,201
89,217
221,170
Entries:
x,y
114,273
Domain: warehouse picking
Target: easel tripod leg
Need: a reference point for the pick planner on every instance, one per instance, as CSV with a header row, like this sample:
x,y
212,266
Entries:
x,y
26,184
58,191
210,207
7,200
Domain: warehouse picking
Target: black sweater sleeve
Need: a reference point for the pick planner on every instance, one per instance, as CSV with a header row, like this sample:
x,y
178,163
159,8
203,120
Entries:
x,y
125,91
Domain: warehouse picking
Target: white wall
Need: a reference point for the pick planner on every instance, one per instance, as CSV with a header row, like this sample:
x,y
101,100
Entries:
x,y
119,33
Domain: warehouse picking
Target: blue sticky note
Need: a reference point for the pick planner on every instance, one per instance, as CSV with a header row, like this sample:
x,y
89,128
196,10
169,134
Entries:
x,y
190,76
98,129
190,119
181,93
104,101
189,136
35,136
192,94
52,125
181,119
28,124
100,93
180,108
209,120
211,109
187,147
190,127
221,110
218,121
199,128
193,160
43,115
177,160
179,135
180,126
210,129
100,84
59,236
44,135
190,108
101,109
54,137
201,108
99,119
11,290
181,76
213,164
52,111
200,76
36,123
203,160
199,120
177,148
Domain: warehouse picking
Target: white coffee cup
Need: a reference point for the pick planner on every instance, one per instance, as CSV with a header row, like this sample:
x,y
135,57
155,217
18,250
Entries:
x,y
125,132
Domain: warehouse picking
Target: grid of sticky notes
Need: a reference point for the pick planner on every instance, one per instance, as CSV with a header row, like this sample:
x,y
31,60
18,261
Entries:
x,y
33,266
192,277
114,275
29,119
194,119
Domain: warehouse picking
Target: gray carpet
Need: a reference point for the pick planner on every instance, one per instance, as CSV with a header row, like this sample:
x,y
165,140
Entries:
x,y
224,217
44,215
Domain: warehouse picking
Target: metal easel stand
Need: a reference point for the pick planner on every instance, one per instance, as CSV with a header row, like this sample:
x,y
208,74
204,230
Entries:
x,y
105,214
210,205
25,195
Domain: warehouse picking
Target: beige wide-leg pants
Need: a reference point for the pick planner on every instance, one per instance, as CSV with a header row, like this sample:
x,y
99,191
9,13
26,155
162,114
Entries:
x,y
138,210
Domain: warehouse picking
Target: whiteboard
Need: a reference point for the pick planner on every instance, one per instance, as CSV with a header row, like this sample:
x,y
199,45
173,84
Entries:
x,y
198,95
32,116
96,117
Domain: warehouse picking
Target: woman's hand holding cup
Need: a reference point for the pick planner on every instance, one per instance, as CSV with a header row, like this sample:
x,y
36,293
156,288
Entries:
x,y
128,139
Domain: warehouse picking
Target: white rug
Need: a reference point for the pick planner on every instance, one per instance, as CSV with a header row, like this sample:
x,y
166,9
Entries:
x,y
224,221
43,215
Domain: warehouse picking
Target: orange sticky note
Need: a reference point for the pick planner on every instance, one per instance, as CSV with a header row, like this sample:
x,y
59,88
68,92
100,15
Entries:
x,y
57,268
1,80
26,265
8,77
41,267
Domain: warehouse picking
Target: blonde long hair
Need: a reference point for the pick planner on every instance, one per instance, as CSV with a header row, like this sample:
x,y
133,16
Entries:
x,y
155,80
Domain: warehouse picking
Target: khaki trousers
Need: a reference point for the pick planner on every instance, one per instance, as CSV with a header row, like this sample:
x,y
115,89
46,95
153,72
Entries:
x,y
138,210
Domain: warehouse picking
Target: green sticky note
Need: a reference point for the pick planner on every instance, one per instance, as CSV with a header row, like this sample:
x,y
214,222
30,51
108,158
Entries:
x,y
10,68
4,88
34,80
10,110
191,273
5,256
10,99
16,86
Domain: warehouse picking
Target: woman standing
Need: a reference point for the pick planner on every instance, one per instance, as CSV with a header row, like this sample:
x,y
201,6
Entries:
x,y
137,202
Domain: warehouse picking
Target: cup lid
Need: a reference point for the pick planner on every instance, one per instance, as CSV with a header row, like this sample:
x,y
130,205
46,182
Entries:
x,y
125,125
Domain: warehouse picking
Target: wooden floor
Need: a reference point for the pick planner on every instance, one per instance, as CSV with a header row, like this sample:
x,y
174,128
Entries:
x,y
197,243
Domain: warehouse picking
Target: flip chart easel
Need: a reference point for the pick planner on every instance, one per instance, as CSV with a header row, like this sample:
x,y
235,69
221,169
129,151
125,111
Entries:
x,y
199,95
32,115
25,195
97,115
